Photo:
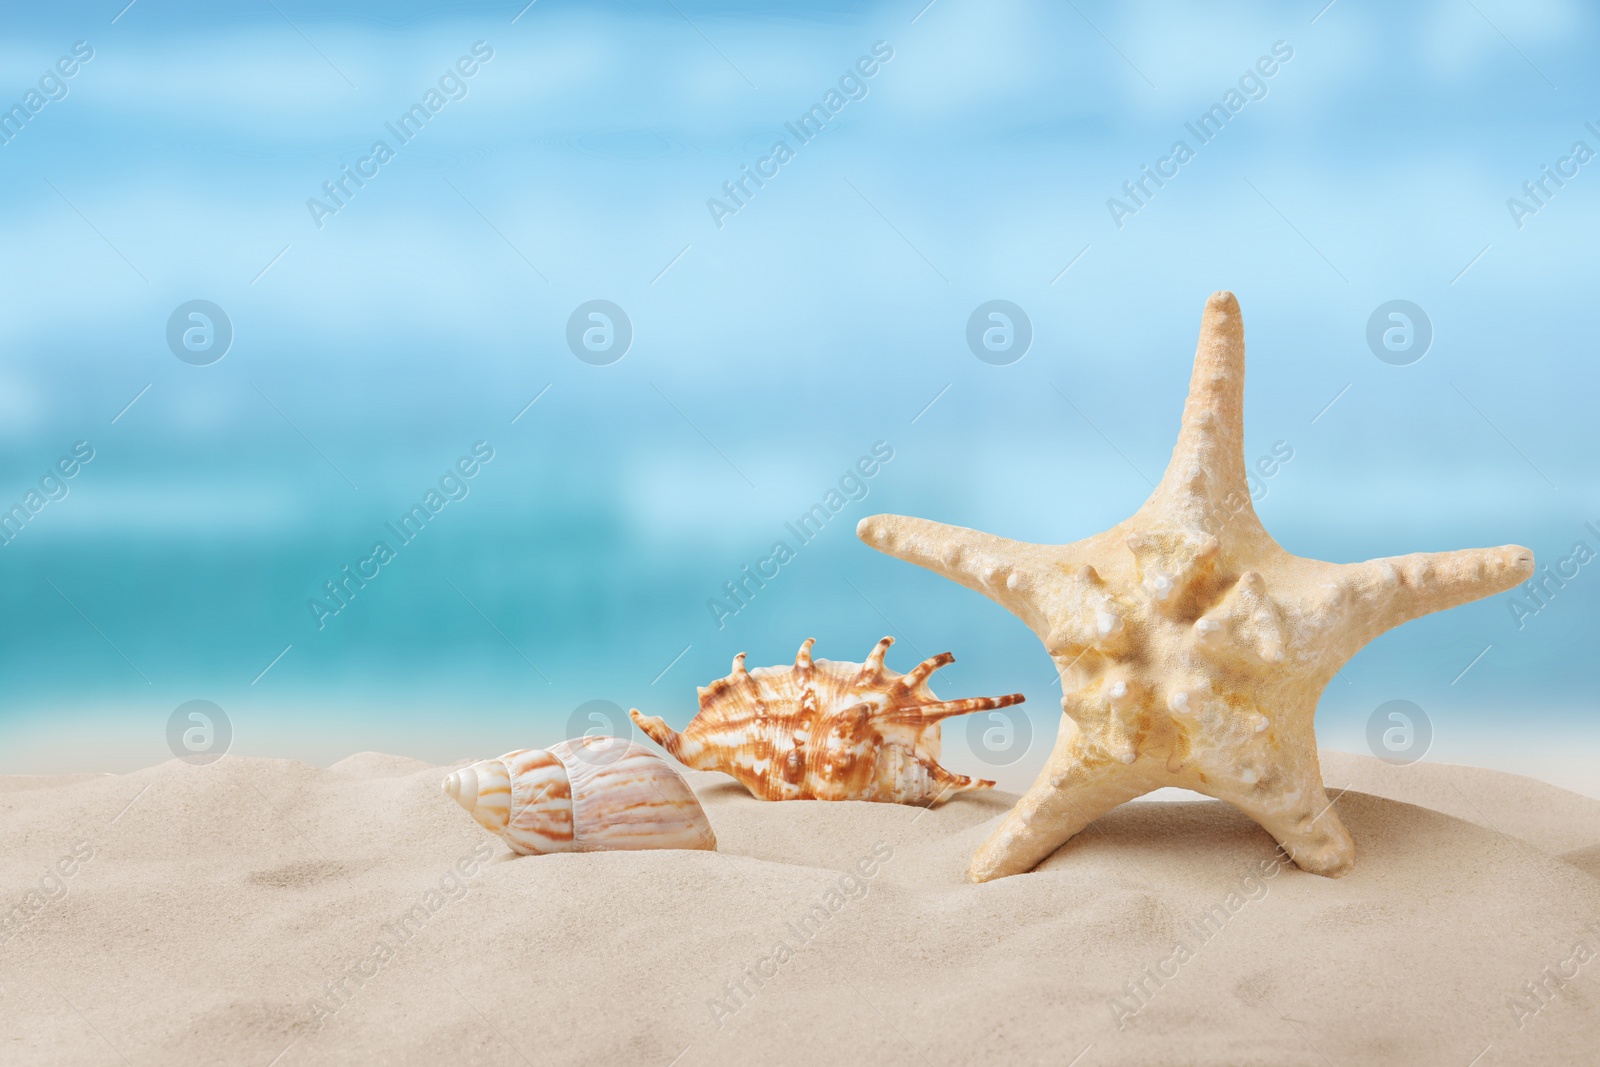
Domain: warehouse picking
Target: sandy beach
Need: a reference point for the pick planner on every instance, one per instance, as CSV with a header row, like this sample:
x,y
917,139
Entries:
x,y
268,912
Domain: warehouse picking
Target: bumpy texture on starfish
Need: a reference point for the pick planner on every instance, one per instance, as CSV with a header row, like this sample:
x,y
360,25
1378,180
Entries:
x,y
1192,648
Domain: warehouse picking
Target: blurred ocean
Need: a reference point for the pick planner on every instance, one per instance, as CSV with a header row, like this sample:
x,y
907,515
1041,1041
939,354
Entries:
x,y
776,332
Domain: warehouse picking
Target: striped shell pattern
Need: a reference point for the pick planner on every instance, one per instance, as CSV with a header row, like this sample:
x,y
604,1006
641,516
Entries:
x,y
589,794
825,730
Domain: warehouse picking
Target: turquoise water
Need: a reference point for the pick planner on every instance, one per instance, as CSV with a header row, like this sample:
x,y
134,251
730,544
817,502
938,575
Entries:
x,y
778,334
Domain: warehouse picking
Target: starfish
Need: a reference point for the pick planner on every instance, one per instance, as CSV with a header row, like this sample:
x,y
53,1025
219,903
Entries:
x,y
1192,648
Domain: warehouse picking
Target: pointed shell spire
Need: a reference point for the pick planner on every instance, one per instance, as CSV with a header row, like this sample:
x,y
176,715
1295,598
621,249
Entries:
x,y
484,789
585,795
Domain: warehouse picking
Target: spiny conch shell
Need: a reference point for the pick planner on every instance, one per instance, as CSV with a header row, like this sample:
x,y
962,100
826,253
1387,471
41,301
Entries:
x,y
824,730
589,794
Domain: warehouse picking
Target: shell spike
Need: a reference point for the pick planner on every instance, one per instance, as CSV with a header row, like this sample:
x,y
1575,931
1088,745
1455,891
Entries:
x,y
802,659
924,670
738,666
945,709
873,668
657,730
949,782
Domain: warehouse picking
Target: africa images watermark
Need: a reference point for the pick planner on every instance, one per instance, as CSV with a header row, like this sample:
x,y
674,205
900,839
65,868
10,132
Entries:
x,y
852,86
52,487
739,992
452,886
52,87
452,486
1267,466
1142,991
1252,87
1546,584
1541,190
53,886
1541,990
452,86
853,488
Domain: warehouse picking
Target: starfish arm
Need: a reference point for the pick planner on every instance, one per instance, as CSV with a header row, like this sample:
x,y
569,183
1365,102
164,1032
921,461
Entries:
x,y
1069,794
1006,571
1367,599
1290,803
1208,461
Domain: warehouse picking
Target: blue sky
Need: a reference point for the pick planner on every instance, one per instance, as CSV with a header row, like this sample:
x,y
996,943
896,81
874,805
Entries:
x,y
769,353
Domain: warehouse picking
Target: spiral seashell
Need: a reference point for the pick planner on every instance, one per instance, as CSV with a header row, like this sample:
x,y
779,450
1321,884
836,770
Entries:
x,y
590,794
824,730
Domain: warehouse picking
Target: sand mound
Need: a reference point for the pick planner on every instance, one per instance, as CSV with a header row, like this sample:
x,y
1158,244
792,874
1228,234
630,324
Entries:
x,y
1553,819
379,765
256,909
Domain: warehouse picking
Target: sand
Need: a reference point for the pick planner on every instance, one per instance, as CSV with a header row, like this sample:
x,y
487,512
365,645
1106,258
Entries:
x,y
200,915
